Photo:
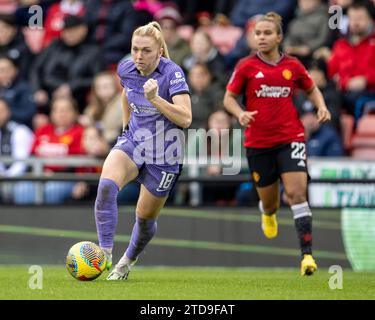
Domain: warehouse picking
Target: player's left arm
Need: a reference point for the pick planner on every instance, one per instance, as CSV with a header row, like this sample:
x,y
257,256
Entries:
x,y
179,112
316,97
314,94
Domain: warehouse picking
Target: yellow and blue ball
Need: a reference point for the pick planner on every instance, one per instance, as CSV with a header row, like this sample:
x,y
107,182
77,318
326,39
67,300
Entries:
x,y
85,261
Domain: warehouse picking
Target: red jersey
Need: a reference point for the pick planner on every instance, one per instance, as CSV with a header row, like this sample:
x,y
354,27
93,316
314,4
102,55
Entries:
x,y
269,89
49,143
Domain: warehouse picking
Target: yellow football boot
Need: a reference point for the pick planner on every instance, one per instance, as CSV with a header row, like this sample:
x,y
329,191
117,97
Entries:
x,y
269,225
308,265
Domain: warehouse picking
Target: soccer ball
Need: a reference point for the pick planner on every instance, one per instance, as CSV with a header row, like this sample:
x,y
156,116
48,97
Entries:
x,y
85,261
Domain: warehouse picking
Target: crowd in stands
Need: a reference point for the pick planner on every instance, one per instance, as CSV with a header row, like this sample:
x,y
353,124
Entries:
x,y
60,96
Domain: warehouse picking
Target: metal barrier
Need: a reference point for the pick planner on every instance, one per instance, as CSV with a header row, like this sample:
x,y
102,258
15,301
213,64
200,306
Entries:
x,y
192,174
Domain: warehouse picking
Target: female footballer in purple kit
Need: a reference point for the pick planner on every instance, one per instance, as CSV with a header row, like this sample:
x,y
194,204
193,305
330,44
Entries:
x,y
155,102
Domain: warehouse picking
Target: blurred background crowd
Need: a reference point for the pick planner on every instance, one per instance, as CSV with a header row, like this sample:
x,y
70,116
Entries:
x,y
60,95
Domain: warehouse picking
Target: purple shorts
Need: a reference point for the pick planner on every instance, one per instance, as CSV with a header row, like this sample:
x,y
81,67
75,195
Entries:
x,y
159,179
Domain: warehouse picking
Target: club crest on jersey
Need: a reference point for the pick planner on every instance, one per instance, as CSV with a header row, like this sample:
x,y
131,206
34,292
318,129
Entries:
x,y
256,176
287,74
66,139
134,107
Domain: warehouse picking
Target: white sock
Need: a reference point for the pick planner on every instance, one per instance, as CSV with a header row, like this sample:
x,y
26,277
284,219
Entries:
x,y
260,206
301,210
124,261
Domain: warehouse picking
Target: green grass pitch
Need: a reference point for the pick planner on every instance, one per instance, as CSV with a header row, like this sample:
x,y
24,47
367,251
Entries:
x,y
187,283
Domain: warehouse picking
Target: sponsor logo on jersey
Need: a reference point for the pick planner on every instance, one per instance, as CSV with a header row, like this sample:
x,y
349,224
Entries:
x,y
287,74
144,109
175,81
273,92
48,149
259,75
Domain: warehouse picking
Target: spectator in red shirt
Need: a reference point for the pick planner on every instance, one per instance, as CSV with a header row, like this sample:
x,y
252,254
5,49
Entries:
x,y
55,18
60,138
352,58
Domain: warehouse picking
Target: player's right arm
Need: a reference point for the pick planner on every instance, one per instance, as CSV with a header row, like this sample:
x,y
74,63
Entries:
x,y
234,88
125,110
233,107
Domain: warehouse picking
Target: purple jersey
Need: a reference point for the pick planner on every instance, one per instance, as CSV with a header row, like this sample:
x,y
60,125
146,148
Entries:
x,y
147,124
149,130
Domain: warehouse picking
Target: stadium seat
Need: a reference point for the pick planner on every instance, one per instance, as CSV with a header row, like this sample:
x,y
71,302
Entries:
x,y
224,37
363,142
359,141
361,105
347,129
366,125
369,107
8,6
363,153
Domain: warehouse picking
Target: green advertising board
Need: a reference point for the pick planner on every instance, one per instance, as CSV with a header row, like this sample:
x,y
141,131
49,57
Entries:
x,y
338,194
358,233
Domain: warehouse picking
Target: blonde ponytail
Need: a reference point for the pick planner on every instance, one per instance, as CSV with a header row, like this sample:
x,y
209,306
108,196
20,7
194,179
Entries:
x,y
153,29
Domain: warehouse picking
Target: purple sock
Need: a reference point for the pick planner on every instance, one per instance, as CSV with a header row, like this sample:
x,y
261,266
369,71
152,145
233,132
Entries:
x,y
106,212
143,231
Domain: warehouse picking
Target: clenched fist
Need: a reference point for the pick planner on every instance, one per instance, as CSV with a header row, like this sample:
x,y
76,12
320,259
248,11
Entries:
x,y
151,89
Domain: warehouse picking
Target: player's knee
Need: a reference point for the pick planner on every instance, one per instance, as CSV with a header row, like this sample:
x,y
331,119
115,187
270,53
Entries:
x,y
107,193
270,207
296,196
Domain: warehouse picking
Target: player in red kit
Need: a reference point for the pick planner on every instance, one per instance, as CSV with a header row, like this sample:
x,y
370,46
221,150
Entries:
x,y
274,135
